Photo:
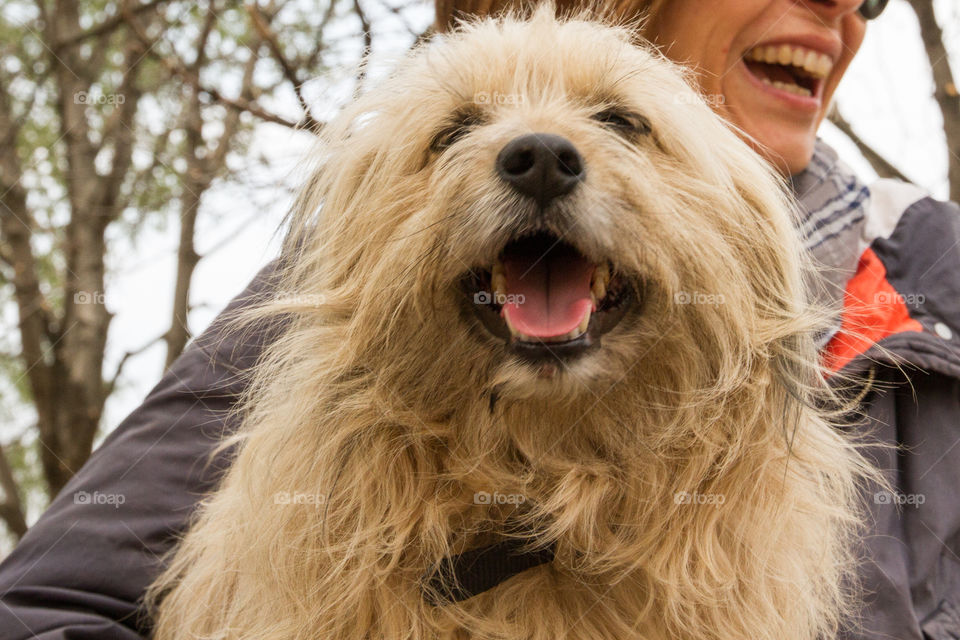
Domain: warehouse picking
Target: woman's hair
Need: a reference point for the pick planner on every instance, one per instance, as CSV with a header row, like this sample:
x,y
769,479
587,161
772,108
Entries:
x,y
449,11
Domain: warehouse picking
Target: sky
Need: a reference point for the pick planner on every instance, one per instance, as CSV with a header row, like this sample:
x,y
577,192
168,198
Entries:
x,y
886,96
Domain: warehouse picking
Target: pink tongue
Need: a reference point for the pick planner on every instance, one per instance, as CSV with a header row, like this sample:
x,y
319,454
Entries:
x,y
547,295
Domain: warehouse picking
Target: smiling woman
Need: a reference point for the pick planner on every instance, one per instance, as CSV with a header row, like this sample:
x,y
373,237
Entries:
x,y
806,47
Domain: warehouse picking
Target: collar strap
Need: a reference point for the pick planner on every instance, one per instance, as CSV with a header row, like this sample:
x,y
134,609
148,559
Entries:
x,y
464,575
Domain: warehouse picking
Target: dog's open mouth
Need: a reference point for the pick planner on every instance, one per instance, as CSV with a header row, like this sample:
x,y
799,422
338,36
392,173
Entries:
x,y
546,299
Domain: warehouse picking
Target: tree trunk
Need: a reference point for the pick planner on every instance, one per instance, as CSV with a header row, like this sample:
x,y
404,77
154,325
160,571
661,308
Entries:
x,y
945,88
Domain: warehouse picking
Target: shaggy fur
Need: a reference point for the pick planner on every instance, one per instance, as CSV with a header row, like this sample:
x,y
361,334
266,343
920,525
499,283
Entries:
x,y
385,406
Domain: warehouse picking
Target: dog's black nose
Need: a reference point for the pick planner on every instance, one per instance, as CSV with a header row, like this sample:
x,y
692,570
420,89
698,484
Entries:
x,y
541,165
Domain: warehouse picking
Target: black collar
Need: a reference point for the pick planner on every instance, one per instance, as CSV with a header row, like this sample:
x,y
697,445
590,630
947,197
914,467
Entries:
x,y
464,575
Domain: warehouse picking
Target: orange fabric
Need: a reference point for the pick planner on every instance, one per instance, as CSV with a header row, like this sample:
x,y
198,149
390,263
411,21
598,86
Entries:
x,y
872,310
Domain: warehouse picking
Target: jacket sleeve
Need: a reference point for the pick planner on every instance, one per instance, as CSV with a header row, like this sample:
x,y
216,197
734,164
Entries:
x,y
910,570
81,569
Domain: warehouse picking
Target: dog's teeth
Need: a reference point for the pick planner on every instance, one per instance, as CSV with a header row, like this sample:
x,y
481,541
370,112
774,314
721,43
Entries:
x,y
499,285
498,281
599,291
571,335
601,276
584,323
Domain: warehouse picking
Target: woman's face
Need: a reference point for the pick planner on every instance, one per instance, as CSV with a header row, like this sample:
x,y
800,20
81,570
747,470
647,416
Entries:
x,y
768,66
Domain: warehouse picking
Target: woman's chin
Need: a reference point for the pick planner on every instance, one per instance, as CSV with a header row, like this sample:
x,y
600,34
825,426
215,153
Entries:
x,y
786,146
780,131
788,156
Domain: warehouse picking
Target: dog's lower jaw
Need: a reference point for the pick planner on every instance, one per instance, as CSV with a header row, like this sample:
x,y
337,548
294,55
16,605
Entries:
x,y
547,371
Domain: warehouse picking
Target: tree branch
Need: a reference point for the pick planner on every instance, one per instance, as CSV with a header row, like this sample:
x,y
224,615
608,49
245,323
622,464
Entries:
x,y
945,91
398,12
263,29
11,510
119,130
16,230
196,181
320,38
108,25
176,67
880,164
112,382
367,43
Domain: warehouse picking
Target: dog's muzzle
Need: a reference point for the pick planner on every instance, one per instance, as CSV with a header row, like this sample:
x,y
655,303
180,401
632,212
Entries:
x,y
542,295
546,299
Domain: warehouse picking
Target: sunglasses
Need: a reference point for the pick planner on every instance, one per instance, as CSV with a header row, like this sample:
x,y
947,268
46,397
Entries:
x,y
871,9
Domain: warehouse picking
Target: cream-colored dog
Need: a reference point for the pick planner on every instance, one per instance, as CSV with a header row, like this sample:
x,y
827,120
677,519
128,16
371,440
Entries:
x,y
536,292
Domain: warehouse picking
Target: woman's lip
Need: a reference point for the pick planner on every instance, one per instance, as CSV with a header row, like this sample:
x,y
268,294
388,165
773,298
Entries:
x,y
801,103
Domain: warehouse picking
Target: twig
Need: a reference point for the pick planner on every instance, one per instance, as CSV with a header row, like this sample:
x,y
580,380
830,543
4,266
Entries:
x,y
11,510
367,44
945,91
178,68
264,31
108,25
319,36
880,164
111,385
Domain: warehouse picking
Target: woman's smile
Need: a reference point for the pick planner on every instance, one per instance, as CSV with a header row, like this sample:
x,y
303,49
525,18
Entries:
x,y
773,63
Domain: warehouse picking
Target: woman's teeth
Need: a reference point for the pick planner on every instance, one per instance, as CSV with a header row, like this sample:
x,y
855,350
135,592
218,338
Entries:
x,y
788,87
818,65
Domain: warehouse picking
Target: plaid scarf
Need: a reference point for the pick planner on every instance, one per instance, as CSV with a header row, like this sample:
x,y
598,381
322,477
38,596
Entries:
x,y
834,205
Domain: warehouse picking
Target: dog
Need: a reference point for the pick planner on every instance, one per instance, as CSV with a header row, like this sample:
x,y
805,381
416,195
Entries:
x,y
538,301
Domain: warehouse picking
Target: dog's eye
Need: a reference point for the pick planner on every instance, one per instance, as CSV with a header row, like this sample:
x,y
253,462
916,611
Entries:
x,y
625,121
460,125
446,137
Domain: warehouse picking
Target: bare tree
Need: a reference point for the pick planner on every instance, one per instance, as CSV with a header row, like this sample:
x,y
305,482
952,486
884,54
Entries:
x,y
85,86
945,94
945,88
113,113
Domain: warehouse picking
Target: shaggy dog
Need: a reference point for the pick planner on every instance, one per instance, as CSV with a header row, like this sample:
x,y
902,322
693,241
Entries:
x,y
536,290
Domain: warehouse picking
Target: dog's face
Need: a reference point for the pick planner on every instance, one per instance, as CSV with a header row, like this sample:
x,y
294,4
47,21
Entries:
x,y
549,204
